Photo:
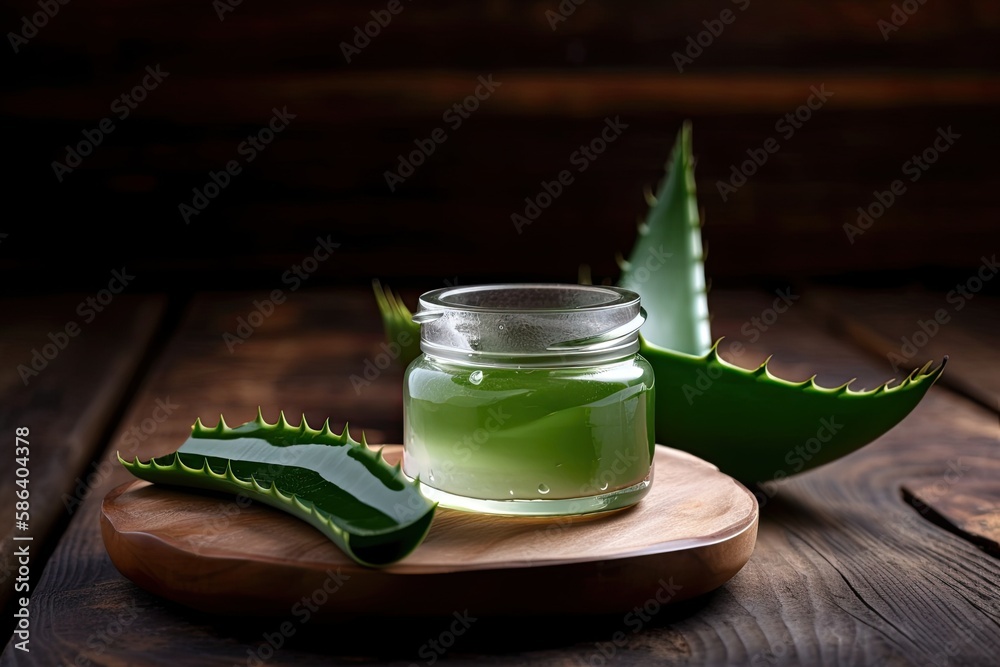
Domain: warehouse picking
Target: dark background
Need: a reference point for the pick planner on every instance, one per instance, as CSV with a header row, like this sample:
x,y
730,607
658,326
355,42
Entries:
x,y
869,579
324,175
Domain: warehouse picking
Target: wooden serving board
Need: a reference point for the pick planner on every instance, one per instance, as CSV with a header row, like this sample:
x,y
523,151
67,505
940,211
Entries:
x,y
694,530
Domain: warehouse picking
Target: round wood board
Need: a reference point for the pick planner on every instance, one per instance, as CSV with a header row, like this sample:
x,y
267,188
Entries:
x,y
694,530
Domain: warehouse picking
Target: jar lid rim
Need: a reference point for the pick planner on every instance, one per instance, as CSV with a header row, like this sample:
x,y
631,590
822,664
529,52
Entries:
x,y
438,300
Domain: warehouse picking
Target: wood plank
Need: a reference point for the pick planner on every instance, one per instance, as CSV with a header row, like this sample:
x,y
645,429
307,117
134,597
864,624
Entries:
x,y
906,328
307,36
465,193
393,94
966,503
600,563
67,406
845,572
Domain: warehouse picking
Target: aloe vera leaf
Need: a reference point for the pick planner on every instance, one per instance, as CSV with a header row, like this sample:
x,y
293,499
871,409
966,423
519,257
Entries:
x,y
346,490
757,427
666,266
750,422
397,321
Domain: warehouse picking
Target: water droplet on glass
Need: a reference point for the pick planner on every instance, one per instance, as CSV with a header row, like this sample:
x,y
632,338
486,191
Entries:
x,y
604,486
430,475
542,489
476,377
559,465
512,492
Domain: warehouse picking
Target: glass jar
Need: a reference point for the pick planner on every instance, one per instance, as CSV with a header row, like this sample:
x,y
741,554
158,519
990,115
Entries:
x,y
530,400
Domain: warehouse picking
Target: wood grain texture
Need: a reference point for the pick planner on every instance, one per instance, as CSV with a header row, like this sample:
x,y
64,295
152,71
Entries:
x,y
966,500
326,173
696,527
907,328
844,573
308,36
356,115
351,97
67,406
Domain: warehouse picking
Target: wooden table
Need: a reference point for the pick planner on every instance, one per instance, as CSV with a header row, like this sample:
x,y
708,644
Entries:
x,y
849,568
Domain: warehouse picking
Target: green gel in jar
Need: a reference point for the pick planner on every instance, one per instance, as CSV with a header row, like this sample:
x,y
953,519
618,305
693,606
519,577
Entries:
x,y
530,400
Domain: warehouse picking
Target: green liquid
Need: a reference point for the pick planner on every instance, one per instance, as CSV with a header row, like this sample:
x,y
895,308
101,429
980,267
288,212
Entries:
x,y
528,434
